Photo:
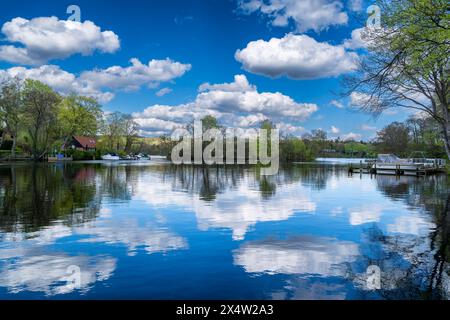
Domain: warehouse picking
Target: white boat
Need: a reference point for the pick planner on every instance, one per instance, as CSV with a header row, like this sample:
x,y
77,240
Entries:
x,y
110,157
391,164
142,156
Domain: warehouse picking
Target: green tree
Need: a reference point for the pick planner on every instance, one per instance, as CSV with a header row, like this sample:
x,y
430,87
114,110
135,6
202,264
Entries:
x,y
131,130
11,108
425,136
267,125
294,149
319,140
113,129
408,62
78,115
357,148
319,135
394,139
40,116
210,122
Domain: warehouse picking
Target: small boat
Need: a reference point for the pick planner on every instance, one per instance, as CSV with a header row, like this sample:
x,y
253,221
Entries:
x,y
133,157
110,157
391,164
142,156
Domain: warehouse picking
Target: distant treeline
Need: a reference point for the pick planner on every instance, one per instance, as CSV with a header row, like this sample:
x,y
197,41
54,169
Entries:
x,y
400,138
35,122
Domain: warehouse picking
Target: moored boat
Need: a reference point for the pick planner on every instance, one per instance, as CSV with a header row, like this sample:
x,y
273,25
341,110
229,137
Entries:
x,y
390,164
110,157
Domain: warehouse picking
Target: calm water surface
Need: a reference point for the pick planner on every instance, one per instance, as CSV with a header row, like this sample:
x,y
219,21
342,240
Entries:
x,y
155,231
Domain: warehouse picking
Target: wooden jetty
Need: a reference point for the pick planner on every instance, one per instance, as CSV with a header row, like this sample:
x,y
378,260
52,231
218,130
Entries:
x,y
57,159
388,164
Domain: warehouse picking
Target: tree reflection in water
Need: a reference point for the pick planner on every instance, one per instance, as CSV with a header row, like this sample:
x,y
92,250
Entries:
x,y
414,262
411,249
32,197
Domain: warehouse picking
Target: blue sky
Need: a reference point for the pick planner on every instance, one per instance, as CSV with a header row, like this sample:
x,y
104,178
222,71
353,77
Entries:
x,y
290,80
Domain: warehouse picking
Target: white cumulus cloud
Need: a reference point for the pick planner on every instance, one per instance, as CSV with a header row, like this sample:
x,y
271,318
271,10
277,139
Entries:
x,y
47,38
360,99
306,15
162,92
337,104
102,83
360,39
355,5
60,80
367,127
297,57
351,136
335,130
236,104
138,74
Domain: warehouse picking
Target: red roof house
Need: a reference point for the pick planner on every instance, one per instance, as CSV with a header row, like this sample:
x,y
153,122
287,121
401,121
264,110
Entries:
x,y
82,143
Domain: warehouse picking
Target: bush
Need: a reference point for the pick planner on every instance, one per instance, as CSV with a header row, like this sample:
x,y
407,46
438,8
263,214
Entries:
x,y
294,149
121,153
98,154
82,155
6,145
4,153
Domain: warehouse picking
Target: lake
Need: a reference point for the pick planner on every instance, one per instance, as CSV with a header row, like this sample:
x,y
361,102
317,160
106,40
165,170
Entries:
x,y
150,230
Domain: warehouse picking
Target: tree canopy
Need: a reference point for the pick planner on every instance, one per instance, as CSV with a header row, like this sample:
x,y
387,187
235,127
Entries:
x,y
407,64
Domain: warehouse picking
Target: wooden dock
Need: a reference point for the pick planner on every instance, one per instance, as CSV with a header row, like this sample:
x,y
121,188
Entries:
x,y
397,169
58,159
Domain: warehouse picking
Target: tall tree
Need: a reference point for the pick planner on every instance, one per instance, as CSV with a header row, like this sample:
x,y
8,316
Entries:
x,y
11,108
319,135
78,115
131,129
414,125
394,138
407,65
210,122
267,125
40,116
113,129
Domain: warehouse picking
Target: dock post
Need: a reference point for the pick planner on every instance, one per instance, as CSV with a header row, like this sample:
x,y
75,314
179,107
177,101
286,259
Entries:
x,y
350,170
360,169
374,169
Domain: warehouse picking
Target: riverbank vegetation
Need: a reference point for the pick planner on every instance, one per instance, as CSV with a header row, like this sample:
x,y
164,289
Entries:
x,y
406,67
36,122
407,64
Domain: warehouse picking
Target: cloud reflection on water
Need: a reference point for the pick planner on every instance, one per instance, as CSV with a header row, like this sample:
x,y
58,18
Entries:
x,y
302,226
130,233
46,272
238,209
299,255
